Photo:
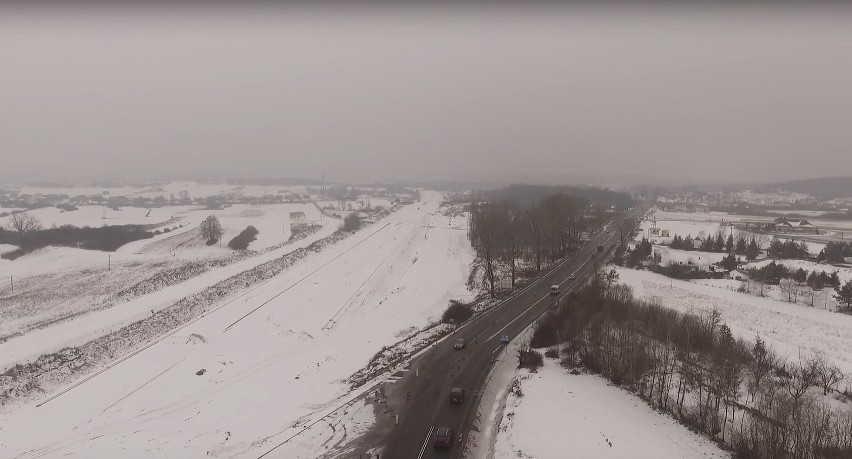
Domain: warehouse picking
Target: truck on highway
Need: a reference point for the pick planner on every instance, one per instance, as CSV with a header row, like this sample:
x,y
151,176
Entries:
x,y
600,248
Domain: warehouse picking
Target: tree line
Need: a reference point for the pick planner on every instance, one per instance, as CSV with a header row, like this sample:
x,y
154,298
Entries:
x,y
510,234
739,246
26,232
835,252
735,391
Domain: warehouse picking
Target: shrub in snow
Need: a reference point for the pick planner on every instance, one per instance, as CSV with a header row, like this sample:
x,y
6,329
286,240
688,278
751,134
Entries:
x,y
457,313
242,240
351,223
529,359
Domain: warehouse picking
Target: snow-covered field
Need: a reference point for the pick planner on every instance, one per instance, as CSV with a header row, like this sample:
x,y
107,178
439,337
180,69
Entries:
x,y
195,190
553,414
683,228
272,220
791,329
274,357
57,283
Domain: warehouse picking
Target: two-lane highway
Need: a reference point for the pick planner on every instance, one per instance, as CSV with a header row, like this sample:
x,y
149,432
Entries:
x,y
434,374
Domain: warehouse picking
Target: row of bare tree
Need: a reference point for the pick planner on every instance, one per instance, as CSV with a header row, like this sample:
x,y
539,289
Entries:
x,y
506,233
736,392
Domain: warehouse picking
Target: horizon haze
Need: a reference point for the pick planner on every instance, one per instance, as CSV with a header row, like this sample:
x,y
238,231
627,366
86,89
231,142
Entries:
x,y
492,94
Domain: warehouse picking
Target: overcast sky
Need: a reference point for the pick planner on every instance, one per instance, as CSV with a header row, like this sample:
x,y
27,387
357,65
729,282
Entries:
x,y
485,94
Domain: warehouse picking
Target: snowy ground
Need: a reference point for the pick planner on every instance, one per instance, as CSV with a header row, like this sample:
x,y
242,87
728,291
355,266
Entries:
x,y
274,357
272,220
680,228
195,190
553,414
58,283
791,329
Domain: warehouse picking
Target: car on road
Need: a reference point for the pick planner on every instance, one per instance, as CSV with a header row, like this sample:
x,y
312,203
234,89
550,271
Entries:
x,y
457,395
459,343
504,339
554,289
572,277
443,437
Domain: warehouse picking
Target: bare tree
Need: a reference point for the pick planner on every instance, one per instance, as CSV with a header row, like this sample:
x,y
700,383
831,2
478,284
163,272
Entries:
x,y
788,286
762,240
484,229
535,227
23,223
211,229
803,375
511,237
826,373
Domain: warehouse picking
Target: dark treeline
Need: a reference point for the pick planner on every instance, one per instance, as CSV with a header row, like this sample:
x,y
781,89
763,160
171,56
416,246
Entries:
x,y
106,238
737,392
520,226
773,273
835,252
719,243
788,249
531,194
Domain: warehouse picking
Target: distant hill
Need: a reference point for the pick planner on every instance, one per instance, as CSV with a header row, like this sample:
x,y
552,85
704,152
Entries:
x,y
822,188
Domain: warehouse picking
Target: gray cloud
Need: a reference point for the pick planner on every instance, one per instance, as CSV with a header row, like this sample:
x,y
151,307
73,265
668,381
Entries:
x,y
540,94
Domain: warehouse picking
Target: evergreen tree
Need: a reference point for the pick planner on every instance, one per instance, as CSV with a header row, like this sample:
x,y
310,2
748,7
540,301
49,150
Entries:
x,y
729,262
729,246
677,242
719,243
815,281
742,245
776,249
801,276
834,280
804,253
752,251
688,243
844,294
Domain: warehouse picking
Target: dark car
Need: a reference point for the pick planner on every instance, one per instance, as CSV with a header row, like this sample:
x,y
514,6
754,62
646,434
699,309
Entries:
x,y
457,395
443,437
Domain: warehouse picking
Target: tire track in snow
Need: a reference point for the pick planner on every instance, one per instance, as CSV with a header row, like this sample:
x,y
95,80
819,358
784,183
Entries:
x,y
303,278
333,320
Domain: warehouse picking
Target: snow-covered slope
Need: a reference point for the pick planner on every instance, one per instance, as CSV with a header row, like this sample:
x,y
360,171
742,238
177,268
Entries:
x,y
553,414
273,358
790,328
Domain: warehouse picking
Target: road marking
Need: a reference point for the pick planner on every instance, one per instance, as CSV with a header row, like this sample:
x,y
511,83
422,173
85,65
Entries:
x,y
426,442
534,305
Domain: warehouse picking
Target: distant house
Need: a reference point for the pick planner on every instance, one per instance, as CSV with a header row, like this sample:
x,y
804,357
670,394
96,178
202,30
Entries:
x,y
696,244
738,274
785,225
848,260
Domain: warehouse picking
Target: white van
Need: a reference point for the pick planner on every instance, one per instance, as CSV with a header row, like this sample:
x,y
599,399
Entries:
x,y
554,289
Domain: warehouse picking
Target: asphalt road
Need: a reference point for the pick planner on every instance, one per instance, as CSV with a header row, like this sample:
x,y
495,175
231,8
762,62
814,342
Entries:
x,y
437,371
